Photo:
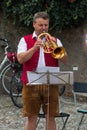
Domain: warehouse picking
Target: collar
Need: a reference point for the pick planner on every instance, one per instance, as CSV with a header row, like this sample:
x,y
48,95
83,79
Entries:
x,y
34,35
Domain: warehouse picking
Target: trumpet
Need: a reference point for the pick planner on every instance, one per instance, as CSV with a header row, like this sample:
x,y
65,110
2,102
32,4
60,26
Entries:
x,y
49,46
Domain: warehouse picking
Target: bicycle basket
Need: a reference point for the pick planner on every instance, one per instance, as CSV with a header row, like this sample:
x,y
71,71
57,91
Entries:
x,y
12,56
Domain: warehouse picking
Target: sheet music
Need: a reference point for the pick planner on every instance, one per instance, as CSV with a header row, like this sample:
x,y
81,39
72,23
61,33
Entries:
x,y
36,78
47,69
55,76
64,77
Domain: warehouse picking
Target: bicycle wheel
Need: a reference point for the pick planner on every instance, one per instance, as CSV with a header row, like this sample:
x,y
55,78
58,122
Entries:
x,y
16,89
6,75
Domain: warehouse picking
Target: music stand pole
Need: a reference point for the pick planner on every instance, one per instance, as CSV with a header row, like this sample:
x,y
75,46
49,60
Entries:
x,y
48,84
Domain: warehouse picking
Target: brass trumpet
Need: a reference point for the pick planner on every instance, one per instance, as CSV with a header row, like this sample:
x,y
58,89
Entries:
x,y
49,46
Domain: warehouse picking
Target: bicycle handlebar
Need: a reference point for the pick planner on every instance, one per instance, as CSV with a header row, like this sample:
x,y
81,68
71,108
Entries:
x,y
5,44
2,39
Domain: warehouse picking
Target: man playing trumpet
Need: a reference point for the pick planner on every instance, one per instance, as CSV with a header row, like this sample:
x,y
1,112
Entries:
x,y
32,55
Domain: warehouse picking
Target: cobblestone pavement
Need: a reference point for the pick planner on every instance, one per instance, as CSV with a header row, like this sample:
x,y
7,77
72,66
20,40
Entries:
x,y
11,116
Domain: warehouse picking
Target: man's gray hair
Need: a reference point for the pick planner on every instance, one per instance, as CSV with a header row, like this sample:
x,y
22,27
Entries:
x,y
43,15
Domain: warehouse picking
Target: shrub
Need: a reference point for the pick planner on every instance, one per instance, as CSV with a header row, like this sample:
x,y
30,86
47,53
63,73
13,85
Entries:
x,y
62,13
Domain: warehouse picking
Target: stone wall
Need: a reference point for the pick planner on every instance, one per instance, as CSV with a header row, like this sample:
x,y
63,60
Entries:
x,y
73,40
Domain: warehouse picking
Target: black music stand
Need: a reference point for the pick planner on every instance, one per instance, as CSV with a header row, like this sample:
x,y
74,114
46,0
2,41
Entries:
x,y
47,78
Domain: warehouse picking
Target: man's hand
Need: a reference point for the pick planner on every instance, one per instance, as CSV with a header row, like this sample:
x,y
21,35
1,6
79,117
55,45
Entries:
x,y
37,44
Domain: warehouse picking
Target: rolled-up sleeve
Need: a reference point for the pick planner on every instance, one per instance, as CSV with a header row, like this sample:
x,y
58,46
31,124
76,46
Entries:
x,y
59,43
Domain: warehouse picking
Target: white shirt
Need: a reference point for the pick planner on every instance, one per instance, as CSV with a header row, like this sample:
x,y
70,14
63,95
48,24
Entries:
x,y
22,47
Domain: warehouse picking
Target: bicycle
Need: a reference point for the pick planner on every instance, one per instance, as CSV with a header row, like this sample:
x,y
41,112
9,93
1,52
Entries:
x,y
8,66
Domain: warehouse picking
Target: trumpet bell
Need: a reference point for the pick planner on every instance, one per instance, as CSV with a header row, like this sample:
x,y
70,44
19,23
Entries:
x,y
58,52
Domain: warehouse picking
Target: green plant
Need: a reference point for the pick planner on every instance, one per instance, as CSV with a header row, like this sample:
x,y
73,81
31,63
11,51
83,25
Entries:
x,y
62,13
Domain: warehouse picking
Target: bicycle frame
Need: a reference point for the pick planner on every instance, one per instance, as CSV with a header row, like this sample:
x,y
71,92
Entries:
x,y
3,62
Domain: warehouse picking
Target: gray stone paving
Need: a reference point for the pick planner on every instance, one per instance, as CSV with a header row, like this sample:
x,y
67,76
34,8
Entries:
x,y
11,116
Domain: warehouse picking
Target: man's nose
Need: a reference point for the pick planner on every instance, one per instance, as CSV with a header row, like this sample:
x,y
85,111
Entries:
x,y
44,26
